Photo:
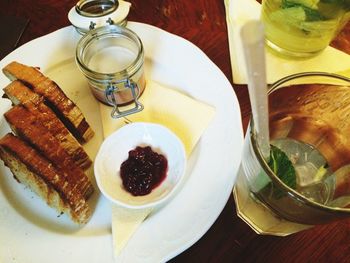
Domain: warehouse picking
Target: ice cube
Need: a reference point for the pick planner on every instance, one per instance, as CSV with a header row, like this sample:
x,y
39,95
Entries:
x,y
306,174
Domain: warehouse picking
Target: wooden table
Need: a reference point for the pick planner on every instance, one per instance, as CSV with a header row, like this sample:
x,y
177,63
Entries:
x,y
203,23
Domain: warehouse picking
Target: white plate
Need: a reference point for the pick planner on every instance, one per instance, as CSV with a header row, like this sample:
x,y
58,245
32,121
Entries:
x,y
32,232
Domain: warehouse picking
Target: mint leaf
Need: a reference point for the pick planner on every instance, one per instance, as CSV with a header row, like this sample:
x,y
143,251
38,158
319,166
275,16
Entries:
x,y
283,168
311,14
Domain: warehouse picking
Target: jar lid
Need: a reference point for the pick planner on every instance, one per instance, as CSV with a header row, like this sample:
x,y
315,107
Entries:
x,y
90,14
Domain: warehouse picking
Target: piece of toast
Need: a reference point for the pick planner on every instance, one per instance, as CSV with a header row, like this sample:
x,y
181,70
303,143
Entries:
x,y
27,126
18,93
35,171
64,108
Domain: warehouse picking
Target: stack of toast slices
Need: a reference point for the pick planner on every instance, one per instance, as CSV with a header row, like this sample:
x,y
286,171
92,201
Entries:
x,y
45,150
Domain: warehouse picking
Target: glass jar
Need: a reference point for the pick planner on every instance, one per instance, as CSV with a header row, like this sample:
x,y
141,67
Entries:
x,y
112,60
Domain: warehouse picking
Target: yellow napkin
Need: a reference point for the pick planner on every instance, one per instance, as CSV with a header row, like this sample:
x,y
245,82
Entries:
x,y
185,116
239,12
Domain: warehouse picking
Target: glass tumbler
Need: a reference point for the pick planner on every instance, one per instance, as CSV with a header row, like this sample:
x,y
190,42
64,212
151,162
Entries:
x,y
303,28
309,120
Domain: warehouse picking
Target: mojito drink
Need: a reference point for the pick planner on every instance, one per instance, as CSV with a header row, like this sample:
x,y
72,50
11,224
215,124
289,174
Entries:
x,y
303,27
307,176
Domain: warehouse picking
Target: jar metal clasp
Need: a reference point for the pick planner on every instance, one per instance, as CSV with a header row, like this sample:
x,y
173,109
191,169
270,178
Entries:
x,y
112,99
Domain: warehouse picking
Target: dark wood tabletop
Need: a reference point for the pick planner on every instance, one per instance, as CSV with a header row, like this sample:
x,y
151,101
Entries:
x,y
203,23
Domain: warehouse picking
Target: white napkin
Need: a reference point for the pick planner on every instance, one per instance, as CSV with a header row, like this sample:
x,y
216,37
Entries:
x,y
124,224
240,11
186,117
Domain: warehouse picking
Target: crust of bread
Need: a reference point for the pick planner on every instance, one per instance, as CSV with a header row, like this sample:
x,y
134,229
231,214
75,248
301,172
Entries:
x,y
27,126
65,109
18,93
35,171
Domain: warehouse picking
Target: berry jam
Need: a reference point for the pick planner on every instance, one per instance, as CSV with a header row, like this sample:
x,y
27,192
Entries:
x,y
143,170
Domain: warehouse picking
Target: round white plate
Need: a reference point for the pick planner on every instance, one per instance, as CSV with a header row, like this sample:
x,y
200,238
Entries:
x,y
31,232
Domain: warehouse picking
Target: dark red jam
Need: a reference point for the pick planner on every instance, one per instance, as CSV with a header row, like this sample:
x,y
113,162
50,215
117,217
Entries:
x,y
143,170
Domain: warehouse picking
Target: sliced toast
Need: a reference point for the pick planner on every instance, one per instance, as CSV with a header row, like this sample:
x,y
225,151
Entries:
x,y
27,126
35,171
20,94
65,109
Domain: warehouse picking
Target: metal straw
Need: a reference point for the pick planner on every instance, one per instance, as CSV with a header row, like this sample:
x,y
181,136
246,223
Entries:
x,y
252,34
